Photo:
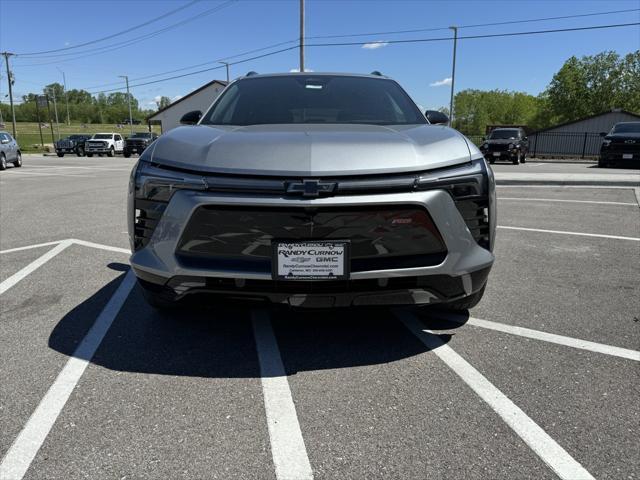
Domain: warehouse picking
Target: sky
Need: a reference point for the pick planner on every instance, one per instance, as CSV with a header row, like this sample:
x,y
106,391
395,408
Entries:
x,y
215,29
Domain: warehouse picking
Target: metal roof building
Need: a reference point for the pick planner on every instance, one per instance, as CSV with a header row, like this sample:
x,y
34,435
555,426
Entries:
x,y
200,99
579,138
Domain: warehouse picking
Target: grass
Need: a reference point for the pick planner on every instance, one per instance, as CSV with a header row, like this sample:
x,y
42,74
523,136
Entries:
x,y
28,135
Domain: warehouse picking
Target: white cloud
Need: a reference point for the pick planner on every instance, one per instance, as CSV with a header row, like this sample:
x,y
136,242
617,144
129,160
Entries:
x,y
296,70
157,98
374,45
440,83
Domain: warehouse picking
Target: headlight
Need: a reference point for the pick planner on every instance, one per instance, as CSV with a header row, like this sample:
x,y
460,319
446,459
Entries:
x,y
472,187
511,146
606,143
150,189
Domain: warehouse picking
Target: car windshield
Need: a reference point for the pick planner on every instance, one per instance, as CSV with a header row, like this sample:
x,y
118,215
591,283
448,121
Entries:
x,y
74,137
626,128
314,99
141,135
503,134
102,136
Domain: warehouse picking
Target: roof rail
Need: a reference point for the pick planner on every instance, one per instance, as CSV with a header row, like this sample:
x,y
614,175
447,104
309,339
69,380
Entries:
x,y
251,74
377,73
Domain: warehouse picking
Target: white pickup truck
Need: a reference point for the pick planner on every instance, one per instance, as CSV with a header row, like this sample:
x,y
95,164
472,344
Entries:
x,y
101,143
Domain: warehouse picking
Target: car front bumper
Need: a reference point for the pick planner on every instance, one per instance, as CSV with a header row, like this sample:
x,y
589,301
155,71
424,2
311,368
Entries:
x,y
464,268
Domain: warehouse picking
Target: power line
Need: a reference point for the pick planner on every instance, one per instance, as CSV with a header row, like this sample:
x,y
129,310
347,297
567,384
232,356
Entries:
x,y
91,42
126,43
469,37
394,32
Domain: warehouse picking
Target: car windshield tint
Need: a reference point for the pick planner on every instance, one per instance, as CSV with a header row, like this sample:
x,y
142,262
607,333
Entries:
x,y
102,136
314,99
140,135
627,128
503,134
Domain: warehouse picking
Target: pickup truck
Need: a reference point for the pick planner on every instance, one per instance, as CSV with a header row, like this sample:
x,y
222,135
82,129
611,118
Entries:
x,y
101,143
72,144
137,142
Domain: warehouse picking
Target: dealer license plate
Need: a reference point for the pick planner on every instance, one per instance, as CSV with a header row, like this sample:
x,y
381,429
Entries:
x,y
311,260
496,154
627,156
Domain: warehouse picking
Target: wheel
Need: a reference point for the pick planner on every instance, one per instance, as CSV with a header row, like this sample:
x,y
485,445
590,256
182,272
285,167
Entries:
x,y
524,158
18,161
601,163
3,162
80,152
111,152
126,154
156,299
89,154
465,303
60,154
516,160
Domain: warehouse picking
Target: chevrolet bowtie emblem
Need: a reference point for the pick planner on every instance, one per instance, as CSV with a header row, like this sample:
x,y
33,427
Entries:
x,y
311,188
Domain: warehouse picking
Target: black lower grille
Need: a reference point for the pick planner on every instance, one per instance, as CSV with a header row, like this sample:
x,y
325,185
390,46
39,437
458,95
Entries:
x,y
147,216
475,213
498,147
380,237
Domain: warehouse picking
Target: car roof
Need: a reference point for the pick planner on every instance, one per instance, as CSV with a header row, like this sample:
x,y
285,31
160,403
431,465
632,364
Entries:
x,y
626,123
315,74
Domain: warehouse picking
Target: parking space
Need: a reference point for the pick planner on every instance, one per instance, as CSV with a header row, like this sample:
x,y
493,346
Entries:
x,y
539,381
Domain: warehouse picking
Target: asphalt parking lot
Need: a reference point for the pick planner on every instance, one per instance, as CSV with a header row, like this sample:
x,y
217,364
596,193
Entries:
x,y
540,380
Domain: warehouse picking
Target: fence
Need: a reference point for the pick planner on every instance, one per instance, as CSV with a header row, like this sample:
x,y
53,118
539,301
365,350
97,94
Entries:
x,y
559,144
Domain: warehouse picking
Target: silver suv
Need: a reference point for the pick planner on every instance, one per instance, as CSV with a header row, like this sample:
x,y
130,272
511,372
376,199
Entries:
x,y
313,190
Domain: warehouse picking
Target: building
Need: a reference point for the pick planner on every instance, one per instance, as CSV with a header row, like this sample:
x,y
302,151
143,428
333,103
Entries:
x,y
200,99
577,139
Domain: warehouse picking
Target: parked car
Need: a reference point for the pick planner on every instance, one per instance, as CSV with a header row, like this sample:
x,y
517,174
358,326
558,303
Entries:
x,y
509,144
104,143
72,144
137,142
133,122
9,151
621,145
313,190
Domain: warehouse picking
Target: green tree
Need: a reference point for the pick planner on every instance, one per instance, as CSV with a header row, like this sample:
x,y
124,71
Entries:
x,y
163,102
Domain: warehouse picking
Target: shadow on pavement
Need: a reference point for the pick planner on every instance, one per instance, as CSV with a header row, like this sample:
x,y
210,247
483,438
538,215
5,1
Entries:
x,y
218,341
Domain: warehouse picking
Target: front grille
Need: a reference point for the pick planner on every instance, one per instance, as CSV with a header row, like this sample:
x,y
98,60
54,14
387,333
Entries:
x,y
147,216
622,147
498,147
241,239
475,213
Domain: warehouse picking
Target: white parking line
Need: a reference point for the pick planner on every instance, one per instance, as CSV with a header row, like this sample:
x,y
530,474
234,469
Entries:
x,y
46,174
101,246
19,275
287,445
24,449
545,337
29,247
580,234
565,201
549,451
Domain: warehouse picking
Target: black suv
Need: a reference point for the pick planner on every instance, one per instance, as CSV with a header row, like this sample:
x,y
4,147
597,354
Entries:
x,y
506,144
138,142
72,144
621,145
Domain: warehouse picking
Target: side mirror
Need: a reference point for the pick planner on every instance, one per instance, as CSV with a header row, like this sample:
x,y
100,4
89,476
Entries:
x,y
436,118
191,118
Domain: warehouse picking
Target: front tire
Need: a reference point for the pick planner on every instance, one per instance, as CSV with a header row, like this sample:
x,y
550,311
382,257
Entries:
x,y
126,154
60,154
3,162
465,303
18,162
80,152
111,152
601,163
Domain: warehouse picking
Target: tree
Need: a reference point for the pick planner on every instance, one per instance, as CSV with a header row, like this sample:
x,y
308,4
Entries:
x,y
164,102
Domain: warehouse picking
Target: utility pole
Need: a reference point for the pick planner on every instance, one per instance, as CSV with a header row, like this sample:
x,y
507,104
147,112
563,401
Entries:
x,y
126,78
39,121
453,73
10,80
55,109
227,65
302,35
53,140
66,94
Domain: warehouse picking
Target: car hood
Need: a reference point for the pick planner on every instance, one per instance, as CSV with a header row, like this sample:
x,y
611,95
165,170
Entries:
x,y
501,141
623,136
308,150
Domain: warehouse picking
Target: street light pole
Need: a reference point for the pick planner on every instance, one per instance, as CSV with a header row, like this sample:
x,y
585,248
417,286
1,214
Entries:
x,y
302,35
55,109
66,95
453,73
227,65
10,80
126,78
